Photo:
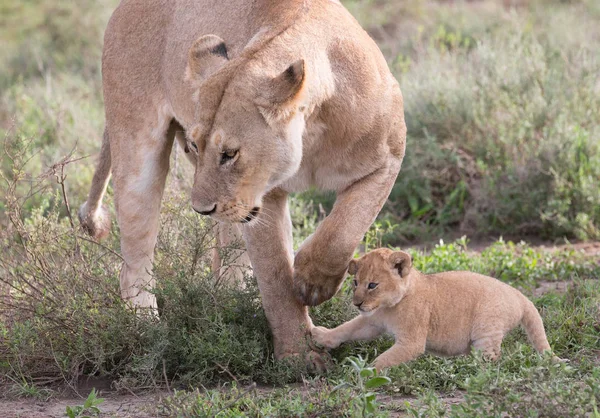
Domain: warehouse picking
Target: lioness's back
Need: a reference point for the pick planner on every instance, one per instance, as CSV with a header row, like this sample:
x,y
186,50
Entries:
x,y
147,44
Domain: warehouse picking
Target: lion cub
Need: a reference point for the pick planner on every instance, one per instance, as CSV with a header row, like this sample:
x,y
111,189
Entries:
x,y
444,314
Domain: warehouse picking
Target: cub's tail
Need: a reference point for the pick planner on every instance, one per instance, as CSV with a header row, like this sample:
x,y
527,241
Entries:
x,y
94,218
534,327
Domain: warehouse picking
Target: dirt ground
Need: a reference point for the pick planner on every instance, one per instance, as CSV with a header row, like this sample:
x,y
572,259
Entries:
x,y
133,406
122,406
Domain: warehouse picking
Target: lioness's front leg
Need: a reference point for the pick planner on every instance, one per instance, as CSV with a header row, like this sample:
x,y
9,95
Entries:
x,y
269,245
322,260
359,328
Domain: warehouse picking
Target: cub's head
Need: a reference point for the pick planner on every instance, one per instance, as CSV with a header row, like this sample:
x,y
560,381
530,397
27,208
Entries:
x,y
249,126
381,279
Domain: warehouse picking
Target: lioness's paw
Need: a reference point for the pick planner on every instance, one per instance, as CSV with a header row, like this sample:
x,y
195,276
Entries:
x,y
318,362
311,284
315,361
322,336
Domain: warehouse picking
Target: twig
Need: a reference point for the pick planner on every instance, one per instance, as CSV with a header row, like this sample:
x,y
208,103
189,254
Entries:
x,y
226,370
113,252
241,395
165,375
58,171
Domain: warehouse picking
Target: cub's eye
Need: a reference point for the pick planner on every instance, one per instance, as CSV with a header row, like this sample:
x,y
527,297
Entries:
x,y
372,286
194,147
229,155
355,283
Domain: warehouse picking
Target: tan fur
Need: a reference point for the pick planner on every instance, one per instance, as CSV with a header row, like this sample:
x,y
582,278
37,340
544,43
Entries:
x,y
445,314
299,96
94,218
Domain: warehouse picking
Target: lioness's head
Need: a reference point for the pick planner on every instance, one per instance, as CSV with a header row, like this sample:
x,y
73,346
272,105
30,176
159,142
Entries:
x,y
248,137
381,279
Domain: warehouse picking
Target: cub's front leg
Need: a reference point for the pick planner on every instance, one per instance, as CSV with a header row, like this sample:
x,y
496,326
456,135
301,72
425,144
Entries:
x,y
360,328
398,354
411,339
321,262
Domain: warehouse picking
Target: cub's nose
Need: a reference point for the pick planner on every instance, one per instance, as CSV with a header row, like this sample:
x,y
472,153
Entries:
x,y
207,212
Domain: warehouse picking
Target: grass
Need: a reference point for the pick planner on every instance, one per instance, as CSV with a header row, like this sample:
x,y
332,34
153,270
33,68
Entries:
x,y
503,117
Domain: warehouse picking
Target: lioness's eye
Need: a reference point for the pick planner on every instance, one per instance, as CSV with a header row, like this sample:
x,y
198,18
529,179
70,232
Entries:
x,y
228,156
372,286
355,283
194,146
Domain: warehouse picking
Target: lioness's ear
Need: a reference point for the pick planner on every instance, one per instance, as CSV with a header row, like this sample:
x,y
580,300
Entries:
x,y
401,262
280,92
353,267
288,84
206,56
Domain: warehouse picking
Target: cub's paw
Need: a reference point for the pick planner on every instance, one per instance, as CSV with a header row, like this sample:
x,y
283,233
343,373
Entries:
x,y
381,364
313,285
323,337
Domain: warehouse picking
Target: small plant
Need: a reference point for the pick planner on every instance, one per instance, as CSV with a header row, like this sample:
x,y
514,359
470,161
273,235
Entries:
x,y
430,406
363,379
88,409
378,235
25,389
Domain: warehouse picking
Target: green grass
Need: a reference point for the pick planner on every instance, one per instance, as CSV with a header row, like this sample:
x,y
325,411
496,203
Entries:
x,y
503,115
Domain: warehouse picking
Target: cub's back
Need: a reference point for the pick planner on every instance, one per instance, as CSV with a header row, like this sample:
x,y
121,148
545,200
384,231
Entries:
x,y
466,284
459,298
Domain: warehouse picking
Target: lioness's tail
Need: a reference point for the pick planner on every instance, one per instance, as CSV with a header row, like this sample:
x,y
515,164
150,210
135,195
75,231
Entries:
x,y
94,218
534,327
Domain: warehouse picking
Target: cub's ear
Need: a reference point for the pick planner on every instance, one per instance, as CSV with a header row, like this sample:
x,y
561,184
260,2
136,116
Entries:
x,y
277,97
206,56
353,267
401,262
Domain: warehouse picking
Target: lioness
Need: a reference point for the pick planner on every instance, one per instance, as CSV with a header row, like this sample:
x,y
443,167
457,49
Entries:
x,y
444,314
269,97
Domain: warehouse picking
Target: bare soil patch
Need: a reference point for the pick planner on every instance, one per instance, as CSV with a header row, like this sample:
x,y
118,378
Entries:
x,y
122,406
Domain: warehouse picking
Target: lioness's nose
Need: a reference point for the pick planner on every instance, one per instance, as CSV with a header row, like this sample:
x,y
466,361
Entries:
x,y
207,212
358,305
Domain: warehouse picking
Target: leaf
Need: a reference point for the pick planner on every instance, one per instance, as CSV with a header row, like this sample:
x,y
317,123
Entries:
x,y
354,363
377,381
340,386
90,399
70,412
368,372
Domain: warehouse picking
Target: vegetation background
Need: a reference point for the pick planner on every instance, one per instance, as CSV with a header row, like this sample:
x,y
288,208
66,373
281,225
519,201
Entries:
x,y
502,103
